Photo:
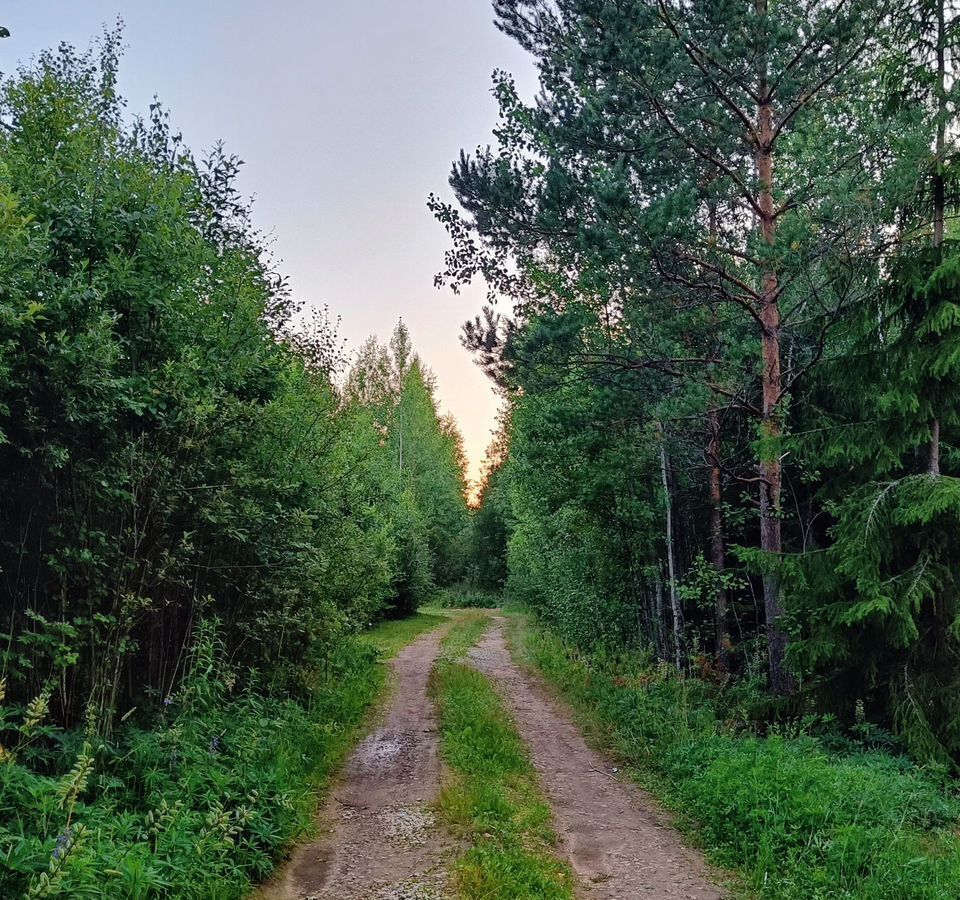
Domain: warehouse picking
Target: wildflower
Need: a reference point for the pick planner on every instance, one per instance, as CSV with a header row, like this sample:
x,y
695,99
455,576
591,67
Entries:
x,y
36,711
63,843
74,782
214,746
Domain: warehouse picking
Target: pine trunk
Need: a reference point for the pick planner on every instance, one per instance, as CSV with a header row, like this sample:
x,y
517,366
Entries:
x,y
771,541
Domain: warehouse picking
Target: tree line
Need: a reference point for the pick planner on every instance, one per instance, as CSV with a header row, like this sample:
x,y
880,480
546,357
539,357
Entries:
x,y
726,232
206,501
180,439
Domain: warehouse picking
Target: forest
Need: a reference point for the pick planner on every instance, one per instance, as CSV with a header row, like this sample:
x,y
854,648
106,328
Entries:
x,y
718,516
722,258
730,362
202,505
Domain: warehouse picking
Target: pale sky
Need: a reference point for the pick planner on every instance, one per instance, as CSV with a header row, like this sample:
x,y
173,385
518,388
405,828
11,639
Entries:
x,y
347,115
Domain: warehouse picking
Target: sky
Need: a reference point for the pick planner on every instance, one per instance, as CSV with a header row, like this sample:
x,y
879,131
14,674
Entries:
x,y
347,115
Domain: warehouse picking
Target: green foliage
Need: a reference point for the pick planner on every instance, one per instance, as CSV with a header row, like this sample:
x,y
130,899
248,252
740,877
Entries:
x,y
421,453
584,540
170,448
878,609
392,635
492,799
199,513
882,608
694,183
467,597
200,805
487,568
797,819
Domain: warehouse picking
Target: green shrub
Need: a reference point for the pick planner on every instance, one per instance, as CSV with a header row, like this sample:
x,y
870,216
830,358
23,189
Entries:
x,y
467,598
799,820
199,805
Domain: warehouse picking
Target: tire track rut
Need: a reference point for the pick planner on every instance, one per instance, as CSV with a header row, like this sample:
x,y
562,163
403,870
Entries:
x,y
382,841
620,844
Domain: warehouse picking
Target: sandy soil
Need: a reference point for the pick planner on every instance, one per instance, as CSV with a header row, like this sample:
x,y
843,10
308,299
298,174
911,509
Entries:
x,y
382,841
621,846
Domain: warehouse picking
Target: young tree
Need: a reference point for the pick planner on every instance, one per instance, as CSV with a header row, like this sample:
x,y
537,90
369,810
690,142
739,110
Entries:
x,y
882,603
424,454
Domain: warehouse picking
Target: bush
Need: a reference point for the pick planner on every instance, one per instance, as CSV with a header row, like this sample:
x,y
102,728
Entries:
x,y
467,598
799,820
200,805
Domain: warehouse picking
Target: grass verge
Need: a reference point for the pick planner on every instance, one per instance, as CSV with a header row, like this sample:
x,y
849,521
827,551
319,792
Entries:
x,y
797,820
492,798
200,803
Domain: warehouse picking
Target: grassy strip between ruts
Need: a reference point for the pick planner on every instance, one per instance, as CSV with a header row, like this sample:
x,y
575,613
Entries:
x,y
469,628
798,820
491,798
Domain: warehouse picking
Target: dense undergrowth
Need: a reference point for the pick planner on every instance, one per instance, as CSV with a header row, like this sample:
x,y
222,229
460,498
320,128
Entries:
x,y
201,804
491,798
468,597
800,817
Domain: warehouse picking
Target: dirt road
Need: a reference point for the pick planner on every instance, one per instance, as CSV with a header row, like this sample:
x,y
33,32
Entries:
x,y
383,843
620,845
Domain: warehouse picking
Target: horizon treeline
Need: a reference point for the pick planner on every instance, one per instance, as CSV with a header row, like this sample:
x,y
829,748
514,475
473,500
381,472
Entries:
x,y
727,234
179,440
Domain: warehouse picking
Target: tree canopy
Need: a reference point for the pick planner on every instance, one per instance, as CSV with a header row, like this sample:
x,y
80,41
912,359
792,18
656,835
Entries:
x,y
725,231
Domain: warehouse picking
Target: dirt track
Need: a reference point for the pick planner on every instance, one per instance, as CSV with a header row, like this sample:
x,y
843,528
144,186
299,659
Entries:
x,y
381,841
384,844
621,846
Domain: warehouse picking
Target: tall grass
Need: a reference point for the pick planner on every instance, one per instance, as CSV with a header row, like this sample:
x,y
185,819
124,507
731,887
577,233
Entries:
x,y
198,803
465,596
797,819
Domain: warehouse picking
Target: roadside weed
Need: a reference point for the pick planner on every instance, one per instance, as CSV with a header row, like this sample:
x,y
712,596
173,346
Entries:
x,y
797,820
